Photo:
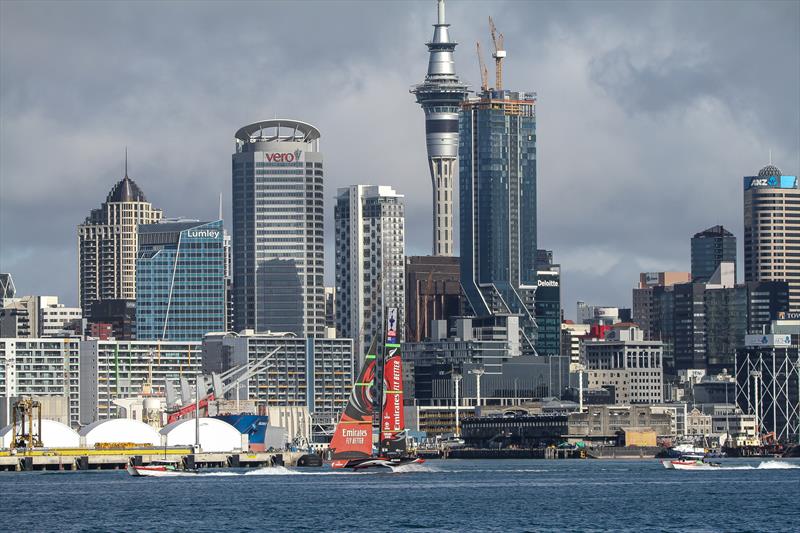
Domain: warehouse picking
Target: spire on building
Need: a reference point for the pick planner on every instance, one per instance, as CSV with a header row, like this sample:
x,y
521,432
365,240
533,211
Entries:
x,y
440,96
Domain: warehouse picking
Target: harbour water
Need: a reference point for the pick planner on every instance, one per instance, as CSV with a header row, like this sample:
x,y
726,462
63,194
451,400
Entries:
x,y
452,495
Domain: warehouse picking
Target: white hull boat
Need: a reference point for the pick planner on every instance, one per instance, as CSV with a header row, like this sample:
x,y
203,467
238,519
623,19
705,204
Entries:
x,y
158,471
689,465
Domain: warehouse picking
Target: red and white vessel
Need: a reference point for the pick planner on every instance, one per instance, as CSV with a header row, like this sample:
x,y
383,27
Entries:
x,y
351,445
689,464
158,470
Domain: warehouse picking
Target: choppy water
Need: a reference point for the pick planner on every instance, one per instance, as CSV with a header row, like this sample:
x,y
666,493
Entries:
x,y
454,495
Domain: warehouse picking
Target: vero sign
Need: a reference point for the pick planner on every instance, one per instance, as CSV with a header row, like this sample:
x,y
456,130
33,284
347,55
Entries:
x,y
283,157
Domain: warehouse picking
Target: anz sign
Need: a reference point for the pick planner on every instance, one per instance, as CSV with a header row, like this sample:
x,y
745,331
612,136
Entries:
x,y
773,182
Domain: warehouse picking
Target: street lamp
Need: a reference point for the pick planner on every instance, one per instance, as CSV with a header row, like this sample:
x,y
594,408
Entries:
x,y
756,375
456,379
581,369
478,372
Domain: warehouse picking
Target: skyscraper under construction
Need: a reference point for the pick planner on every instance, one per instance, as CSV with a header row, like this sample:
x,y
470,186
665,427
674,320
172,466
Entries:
x,y
440,96
497,180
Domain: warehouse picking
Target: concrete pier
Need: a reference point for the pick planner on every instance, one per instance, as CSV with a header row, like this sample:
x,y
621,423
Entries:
x,y
89,459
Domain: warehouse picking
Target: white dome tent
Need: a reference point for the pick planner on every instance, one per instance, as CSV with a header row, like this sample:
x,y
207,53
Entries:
x,y
54,435
119,431
215,435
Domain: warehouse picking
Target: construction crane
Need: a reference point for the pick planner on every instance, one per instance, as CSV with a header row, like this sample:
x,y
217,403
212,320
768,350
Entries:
x,y
484,70
223,383
498,55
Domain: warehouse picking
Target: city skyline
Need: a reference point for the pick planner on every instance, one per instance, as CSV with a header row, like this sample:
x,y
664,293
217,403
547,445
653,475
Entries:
x,y
642,115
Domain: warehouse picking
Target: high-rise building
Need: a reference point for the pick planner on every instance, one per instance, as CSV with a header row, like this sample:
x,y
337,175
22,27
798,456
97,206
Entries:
x,y
112,370
704,324
113,318
41,367
571,334
597,314
107,244
440,96
313,373
330,311
180,280
433,292
772,230
7,288
548,304
628,363
497,154
710,248
370,256
278,252
38,316
643,297
227,250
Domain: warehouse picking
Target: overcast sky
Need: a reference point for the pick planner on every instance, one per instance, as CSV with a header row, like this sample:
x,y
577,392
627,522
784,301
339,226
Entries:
x,y
649,114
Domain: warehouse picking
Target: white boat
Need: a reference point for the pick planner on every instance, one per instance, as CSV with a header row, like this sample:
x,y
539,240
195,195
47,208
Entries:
x,y
158,470
684,464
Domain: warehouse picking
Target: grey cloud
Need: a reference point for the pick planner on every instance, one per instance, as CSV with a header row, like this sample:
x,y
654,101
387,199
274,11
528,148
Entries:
x,y
649,114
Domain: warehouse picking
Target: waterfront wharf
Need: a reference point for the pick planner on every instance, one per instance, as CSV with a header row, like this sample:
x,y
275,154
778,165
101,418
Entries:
x,y
72,459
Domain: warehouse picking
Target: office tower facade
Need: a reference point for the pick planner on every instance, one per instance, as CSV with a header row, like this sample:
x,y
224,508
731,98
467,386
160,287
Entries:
x,y
112,370
440,96
772,230
330,311
597,314
278,253
703,325
497,154
313,373
548,304
38,316
113,318
58,320
628,363
227,250
571,334
7,288
644,294
180,280
433,292
107,244
710,248
41,367
370,255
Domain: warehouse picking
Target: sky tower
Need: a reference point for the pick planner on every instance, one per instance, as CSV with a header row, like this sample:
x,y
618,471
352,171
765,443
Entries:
x,y
440,96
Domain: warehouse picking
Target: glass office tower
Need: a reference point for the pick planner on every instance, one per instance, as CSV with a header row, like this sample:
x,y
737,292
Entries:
x,y
180,281
278,251
497,154
710,248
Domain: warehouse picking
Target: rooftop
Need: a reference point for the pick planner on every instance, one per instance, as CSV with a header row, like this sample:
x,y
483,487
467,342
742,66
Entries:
x,y
126,190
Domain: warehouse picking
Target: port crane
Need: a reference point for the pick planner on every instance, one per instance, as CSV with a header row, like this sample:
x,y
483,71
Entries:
x,y
220,384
